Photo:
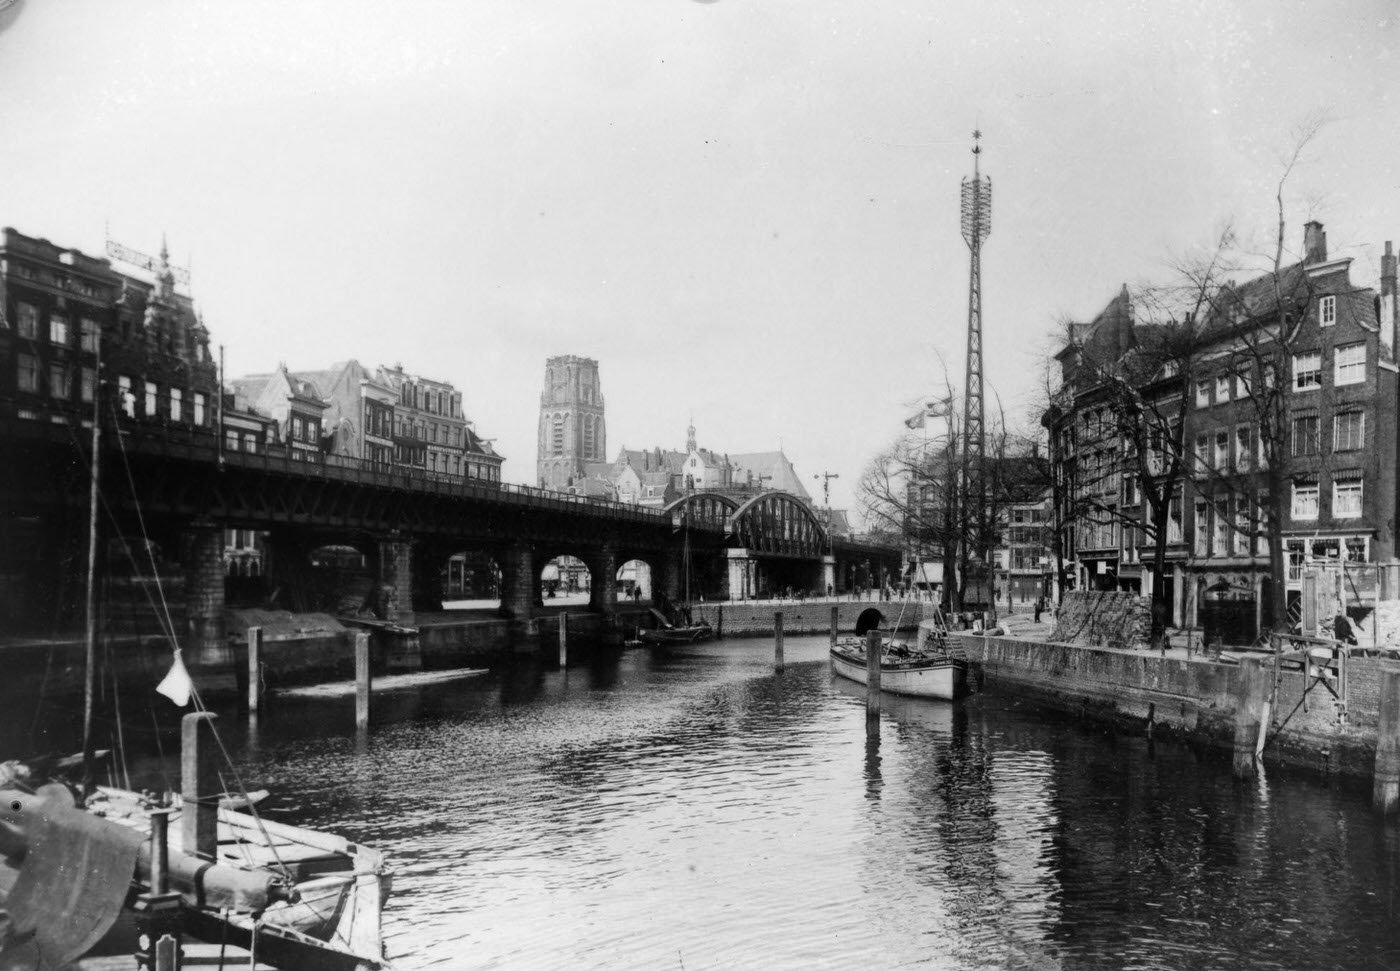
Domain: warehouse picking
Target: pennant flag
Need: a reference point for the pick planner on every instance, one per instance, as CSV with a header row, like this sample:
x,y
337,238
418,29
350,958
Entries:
x,y
177,684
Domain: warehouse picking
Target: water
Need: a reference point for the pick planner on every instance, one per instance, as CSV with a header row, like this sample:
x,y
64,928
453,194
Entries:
x,y
693,811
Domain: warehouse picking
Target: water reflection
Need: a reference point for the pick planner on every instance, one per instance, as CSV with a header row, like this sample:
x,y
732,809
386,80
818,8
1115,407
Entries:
x,y
693,809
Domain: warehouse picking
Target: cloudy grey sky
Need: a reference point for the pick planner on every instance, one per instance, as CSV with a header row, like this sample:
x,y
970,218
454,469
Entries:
x,y
747,210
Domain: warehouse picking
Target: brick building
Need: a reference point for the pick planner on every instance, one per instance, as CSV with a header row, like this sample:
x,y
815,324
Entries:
x,y
1308,344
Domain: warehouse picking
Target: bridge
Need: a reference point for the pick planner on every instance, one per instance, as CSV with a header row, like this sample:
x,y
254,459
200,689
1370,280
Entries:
x,y
176,487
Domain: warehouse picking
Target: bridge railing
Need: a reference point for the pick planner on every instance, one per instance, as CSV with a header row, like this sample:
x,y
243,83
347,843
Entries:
x,y
198,445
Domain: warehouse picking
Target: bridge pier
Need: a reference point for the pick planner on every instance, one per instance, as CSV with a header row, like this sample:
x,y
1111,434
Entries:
x,y
743,574
828,574
668,579
395,580
206,642
519,581
602,592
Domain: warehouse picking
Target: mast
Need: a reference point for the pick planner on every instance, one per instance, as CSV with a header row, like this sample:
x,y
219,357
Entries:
x,y
976,227
90,652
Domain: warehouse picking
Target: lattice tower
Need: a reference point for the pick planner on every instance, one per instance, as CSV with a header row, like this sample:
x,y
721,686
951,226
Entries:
x,y
976,227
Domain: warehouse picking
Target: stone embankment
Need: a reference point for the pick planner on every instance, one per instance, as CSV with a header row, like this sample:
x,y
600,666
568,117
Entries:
x,y
1324,714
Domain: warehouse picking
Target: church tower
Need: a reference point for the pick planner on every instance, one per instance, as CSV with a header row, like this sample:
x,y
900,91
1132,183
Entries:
x,y
572,432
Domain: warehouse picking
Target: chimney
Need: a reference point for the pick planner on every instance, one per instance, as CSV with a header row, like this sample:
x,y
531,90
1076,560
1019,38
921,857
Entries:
x,y
1390,309
1314,243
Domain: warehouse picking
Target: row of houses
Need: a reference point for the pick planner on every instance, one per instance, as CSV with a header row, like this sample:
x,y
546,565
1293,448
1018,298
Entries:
x,y
76,331
1269,405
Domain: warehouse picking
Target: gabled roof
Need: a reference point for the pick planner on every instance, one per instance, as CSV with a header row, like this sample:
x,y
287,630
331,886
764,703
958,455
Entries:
x,y
775,465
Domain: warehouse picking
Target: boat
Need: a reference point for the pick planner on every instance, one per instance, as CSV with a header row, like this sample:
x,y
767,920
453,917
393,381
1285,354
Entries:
x,y
76,880
687,634
88,870
926,668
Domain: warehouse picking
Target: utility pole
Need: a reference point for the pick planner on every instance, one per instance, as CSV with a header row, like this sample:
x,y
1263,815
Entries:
x,y
826,478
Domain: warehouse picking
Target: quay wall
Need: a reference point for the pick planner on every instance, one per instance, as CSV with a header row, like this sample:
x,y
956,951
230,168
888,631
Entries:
x,y
742,619
1195,698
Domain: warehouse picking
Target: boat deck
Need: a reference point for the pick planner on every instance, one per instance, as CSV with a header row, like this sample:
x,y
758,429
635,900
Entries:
x,y
197,955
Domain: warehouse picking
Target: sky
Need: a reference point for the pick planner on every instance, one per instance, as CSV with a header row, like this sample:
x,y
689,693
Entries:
x,y
746,210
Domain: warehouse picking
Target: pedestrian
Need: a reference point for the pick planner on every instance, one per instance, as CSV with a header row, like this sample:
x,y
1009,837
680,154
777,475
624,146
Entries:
x,y
1039,602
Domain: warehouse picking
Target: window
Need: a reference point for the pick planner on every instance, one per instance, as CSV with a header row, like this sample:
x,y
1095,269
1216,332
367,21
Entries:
x,y
1307,371
1222,449
250,442
89,384
1268,372
150,411
1350,364
199,408
231,440
58,381
176,399
28,374
1305,435
1202,528
1243,530
58,329
1202,394
557,435
1222,388
1174,520
1356,549
1346,498
1202,454
297,431
128,400
88,335
1327,311
28,321
1221,546
1244,448
1349,431
1305,500
1242,389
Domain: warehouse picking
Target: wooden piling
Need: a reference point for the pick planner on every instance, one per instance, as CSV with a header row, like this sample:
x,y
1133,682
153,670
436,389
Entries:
x,y
563,640
872,675
719,622
199,784
778,641
1386,792
362,679
255,640
835,618
1250,693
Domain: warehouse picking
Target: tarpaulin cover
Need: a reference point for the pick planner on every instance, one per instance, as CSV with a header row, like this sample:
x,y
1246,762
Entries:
x,y
73,881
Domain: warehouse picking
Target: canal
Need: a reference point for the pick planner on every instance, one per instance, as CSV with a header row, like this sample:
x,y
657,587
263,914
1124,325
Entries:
x,y
693,810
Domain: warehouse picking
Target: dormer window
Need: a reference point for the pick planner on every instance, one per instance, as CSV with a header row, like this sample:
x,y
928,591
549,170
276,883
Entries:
x,y
1327,311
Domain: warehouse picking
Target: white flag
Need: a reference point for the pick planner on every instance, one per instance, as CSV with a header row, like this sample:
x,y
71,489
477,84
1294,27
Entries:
x,y
177,685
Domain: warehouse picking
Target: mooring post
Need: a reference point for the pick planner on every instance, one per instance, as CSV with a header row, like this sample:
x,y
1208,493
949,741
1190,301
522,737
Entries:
x,y
362,679
778,640
1247,704
1386,794
255,638
872,676
835,616
199,785
563,640
719,622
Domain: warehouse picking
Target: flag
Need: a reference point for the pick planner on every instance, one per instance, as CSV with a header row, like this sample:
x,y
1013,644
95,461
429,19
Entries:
x,y
177,684
931,409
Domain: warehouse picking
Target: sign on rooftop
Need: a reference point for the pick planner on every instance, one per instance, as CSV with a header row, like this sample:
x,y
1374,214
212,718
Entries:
x,y
151,264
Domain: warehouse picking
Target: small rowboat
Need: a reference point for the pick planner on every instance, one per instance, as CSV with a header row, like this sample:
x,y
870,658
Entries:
x,y
689,634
